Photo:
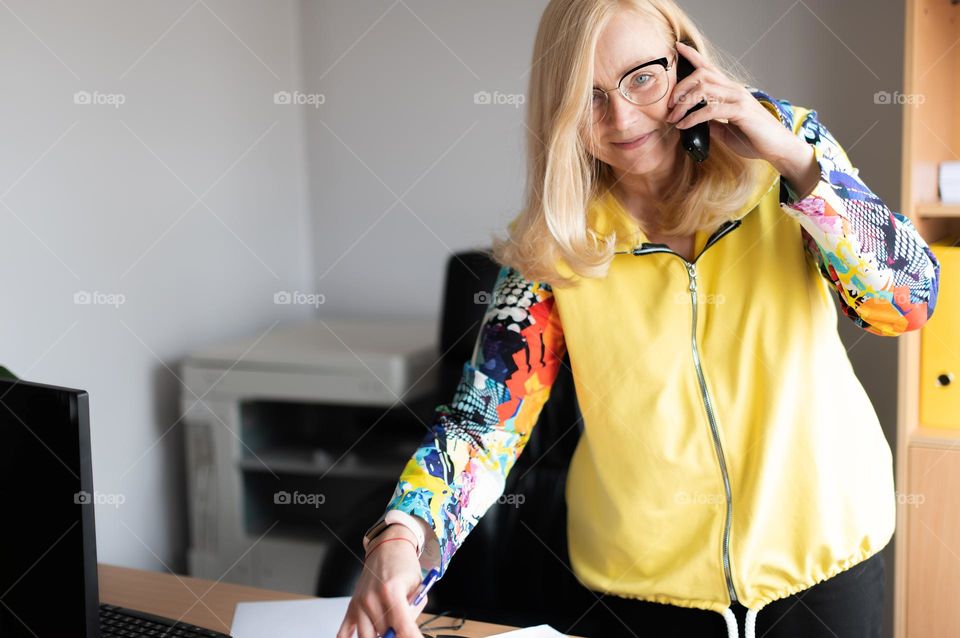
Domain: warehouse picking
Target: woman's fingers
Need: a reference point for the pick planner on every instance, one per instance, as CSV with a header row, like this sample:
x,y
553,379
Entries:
x,y
356,620
411,626
372,605
720,103
349,625
365,627
399,614
705,91
396,613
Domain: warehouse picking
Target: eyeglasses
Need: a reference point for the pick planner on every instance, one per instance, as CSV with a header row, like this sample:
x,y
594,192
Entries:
x,y
647,83
455,622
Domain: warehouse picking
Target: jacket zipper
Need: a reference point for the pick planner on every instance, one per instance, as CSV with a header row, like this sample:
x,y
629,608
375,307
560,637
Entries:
x,y
692,271
647,249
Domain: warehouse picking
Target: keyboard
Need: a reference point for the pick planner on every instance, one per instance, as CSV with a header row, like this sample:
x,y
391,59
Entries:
x,y
120,622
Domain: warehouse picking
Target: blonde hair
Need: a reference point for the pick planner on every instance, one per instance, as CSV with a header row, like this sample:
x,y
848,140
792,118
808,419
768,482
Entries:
x,y
563,177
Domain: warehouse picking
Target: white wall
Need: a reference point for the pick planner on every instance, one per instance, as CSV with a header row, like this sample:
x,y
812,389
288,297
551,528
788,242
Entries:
x,y
400,121
97,198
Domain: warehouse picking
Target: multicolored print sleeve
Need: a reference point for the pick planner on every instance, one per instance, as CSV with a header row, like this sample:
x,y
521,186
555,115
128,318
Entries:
x,y
461,466
884,273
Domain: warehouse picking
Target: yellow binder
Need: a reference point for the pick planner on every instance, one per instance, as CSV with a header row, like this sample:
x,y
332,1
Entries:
x,y
940,346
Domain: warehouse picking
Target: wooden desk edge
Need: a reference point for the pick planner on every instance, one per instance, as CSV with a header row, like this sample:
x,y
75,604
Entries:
x,y
207,603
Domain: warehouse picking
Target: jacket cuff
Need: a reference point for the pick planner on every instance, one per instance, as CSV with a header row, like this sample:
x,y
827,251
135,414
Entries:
x,y
790,197
392,516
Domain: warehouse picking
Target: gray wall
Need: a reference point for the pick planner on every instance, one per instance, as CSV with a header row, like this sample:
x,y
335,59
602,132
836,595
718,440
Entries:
x,y
98,198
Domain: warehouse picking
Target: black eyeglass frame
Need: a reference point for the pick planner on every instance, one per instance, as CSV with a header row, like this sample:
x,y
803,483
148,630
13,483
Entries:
x,y
664,62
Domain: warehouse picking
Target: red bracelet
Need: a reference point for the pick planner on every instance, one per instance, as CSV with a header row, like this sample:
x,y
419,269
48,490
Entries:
x,y
395,538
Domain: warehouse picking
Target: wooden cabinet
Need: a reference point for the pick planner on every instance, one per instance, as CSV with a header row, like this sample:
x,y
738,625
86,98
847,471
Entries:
x,y
927,576
933,558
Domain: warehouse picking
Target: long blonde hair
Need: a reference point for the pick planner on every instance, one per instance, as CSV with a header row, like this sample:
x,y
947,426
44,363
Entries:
x,y
563,177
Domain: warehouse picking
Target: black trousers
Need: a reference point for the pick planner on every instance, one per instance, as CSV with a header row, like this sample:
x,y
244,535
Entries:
x,y
848,605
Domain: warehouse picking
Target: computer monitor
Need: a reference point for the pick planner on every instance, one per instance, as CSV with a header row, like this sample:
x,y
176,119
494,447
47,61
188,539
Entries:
x,y
48,553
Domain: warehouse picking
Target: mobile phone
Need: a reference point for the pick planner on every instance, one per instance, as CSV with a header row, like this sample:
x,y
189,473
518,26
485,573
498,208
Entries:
x,y
696,139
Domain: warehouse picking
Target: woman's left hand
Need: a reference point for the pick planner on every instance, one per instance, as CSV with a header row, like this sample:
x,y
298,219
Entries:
x,y
749,129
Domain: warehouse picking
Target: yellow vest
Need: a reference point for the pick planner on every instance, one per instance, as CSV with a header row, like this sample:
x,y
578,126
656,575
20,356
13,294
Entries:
x,y
728,447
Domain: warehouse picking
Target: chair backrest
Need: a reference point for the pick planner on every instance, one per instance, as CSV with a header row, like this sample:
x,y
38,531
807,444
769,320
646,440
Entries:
x,y
514,566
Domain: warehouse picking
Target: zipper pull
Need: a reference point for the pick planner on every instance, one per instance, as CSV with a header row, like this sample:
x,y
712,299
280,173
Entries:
x,y
692,271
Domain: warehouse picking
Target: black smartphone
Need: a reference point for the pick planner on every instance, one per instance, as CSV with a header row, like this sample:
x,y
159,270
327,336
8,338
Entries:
x,y
696,139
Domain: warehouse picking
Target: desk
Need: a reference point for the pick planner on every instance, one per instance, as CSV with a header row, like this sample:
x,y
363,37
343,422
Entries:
x,y
206,603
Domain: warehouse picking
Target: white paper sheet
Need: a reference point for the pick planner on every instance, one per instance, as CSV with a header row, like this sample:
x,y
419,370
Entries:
x,y
320,618
540,631
312,618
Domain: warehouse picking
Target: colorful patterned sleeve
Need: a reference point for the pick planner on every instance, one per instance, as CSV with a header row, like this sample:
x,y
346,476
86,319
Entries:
x,y
884,274
461,465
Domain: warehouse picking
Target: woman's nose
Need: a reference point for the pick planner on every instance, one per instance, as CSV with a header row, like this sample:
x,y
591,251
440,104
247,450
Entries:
x,y
621,113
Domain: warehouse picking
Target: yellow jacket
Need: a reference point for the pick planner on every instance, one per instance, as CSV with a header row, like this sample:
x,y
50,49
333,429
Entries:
x,y
729,451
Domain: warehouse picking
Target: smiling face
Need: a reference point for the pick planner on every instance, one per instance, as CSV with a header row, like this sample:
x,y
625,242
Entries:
x,y
628,40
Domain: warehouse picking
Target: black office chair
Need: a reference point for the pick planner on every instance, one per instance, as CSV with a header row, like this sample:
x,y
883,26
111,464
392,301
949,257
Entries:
x,y
513,568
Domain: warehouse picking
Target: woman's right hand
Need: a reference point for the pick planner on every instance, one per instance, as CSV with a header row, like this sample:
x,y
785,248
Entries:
x,y
391,576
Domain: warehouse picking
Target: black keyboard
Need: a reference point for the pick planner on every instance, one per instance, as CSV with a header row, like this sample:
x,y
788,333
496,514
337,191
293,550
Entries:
x,y
120,622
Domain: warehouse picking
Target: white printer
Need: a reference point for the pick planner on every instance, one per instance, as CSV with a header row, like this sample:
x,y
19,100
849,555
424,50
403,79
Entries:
x,y
295,436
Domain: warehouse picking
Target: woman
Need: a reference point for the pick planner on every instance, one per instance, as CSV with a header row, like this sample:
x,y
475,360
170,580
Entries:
x,y
730,459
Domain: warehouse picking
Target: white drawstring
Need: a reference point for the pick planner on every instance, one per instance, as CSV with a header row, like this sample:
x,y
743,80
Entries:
x,y
749,624
732,630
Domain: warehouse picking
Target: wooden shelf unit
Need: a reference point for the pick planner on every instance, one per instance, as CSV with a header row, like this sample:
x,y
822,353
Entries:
x,y
928,459
937,209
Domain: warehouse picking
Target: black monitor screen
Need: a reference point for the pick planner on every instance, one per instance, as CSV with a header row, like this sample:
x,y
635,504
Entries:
x,y
48,582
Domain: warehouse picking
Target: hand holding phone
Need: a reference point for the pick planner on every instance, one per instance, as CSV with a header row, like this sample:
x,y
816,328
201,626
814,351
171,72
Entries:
x,y
695,139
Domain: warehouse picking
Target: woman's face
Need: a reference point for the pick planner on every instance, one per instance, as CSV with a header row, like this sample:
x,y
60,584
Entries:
x,y
627,41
